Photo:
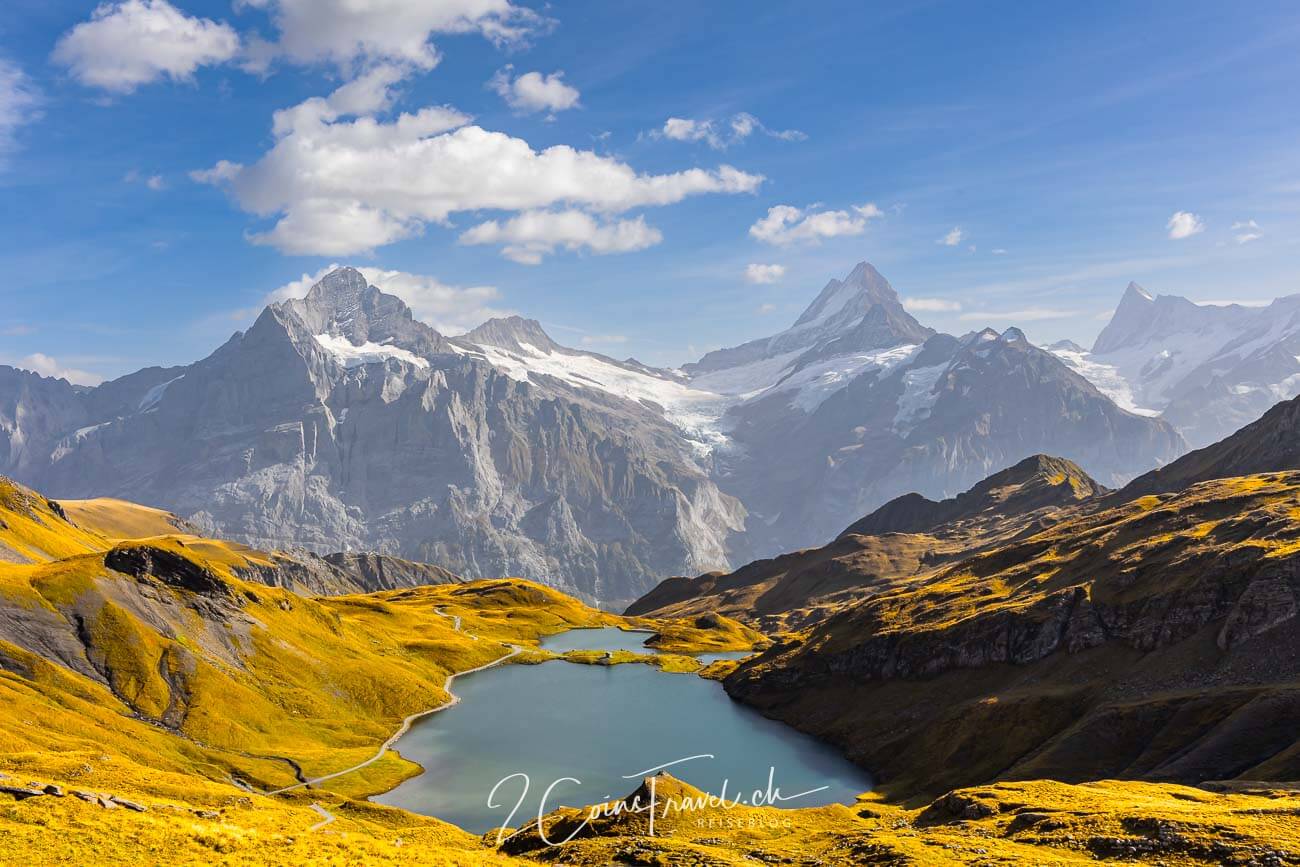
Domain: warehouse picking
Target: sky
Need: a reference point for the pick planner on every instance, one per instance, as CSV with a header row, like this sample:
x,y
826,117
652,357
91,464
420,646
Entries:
x,y
649,180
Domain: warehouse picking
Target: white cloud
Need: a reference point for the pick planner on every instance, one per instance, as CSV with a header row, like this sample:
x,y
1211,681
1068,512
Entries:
x,y
532,235
18,104
343,186
598,339
1028,314
157,183
350,33
932,305
953,238
1247,231
534,91
786,224
999,251
721,134
755,273
1184,224
450,309
134,42
39,362
764,309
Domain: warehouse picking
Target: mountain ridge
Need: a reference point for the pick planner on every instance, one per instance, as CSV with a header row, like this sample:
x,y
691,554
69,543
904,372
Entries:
x,y
338,420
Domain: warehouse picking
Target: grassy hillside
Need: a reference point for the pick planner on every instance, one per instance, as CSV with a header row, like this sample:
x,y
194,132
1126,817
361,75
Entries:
x,y
161,695
1152,639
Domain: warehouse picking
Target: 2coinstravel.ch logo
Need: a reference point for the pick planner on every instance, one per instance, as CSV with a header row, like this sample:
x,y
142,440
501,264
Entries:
x,y
650,802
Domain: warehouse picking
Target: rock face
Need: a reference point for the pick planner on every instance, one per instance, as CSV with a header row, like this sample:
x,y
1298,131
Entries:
x,y
339,422
1207,369
941,418
344,573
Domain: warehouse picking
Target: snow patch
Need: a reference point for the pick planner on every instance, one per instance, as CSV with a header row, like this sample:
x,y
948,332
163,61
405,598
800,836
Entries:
x,y
1107,378
351,355
155,394
918,397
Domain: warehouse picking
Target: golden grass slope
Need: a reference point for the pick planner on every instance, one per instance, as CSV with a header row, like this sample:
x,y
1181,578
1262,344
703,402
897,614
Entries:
x,y
148,672
1152,639
119,519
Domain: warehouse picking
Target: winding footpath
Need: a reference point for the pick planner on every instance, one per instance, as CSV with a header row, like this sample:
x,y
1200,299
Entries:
x,y
329,817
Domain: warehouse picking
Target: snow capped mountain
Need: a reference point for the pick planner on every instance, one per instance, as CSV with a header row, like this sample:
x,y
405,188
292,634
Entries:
x,y
1208,369
853,327
339,421
860,313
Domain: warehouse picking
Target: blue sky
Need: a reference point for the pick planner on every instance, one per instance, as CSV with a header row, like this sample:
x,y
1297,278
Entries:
x,y
1062,149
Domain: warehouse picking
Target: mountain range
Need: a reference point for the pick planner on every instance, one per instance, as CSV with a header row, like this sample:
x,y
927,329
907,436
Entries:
x,y
340,422
1208,369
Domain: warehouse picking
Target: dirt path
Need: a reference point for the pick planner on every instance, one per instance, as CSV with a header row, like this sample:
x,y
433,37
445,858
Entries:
x,y
406,723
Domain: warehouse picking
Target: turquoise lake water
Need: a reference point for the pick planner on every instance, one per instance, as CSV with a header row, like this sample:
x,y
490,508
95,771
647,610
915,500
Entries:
x,y
602,725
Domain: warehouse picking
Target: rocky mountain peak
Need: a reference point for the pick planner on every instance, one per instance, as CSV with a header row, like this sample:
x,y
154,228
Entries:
x,y
1037,482
1134,293
863,288
341,288
508,332
344,304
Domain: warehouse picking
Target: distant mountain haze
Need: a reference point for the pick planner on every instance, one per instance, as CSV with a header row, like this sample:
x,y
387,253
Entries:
x,y
1207,369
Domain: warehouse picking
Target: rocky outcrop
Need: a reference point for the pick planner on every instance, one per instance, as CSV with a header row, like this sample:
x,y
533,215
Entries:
x,y
169,567
344,573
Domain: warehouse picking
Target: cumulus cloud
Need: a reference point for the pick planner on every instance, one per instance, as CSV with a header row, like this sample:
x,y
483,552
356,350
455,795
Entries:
x,y
932,305
721,134
533,91
953,238
1246,231
340,182
533,235
755,273
450,309
764,309
786,224
18,104
134,42
1184,224
39,362
350,33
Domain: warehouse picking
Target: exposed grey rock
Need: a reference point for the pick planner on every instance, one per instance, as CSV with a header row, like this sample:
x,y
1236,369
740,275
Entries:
x,y
20,793
343,573
405,444
129,805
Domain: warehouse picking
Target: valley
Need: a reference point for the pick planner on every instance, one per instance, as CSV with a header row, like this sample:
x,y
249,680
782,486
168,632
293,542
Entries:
x,y
148,663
